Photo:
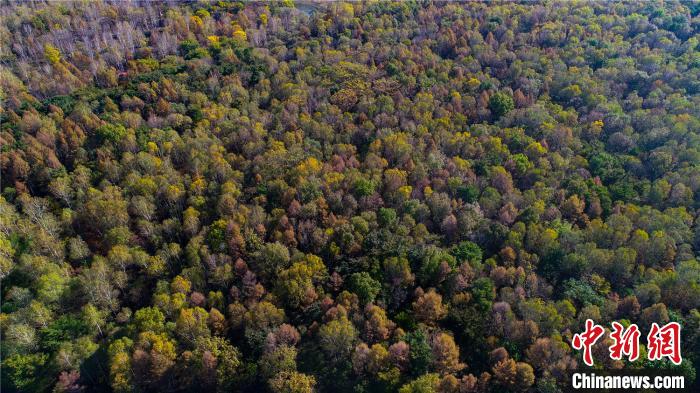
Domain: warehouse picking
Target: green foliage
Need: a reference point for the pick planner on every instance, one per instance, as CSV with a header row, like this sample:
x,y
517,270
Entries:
x,y
364,286
500,104
363,187
64,328
468,193
582,293
467,252
111,132
386,217
434,265
427,383
483,293
149,319
420,354
191,49
217,236
23,373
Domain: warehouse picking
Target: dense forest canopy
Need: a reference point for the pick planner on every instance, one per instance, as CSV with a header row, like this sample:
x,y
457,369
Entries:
x,y
352,197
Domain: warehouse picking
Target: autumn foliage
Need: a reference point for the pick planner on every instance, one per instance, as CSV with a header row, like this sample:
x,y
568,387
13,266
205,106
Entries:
x,y
343,197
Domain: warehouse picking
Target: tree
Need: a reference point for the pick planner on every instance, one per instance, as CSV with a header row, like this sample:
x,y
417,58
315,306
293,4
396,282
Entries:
x,y
337,338
53,55
427,383
271,259
500,104
467,251
120,364
420,353
277,361
436,265
364,286
22,372
111,132
524,376
192,324
292,382
296,284
188,204
216,362
377,327
550,356
428,308
263,316
153,356
445,354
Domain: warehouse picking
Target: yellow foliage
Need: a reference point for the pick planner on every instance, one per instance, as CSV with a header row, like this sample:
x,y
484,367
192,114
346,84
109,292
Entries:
x,y
375,146
473,83
461,163
173,193
309,166
158,343
156,265
535,149
640,234
395,173
547,126
230,188
348,9
239,34
405,191
600,284
334,177
550,234
145,185
120,371
213,40
198,185
180,285
460,137
334,249
196,20
52,54
277,146
214,112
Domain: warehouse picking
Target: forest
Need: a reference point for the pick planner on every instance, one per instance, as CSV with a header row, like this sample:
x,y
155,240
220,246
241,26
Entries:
x,y
370,196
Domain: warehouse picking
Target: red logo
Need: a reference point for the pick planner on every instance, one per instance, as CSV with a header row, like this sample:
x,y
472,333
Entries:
x,y
586,340
665,342
662,342
625,342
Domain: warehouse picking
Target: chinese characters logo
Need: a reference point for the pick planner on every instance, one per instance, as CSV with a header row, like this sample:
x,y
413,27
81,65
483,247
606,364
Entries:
x,y
662,342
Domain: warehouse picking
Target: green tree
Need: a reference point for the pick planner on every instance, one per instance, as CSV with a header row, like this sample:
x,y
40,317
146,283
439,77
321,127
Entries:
x,y
364,286
500,104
